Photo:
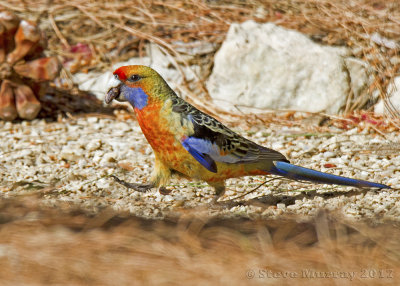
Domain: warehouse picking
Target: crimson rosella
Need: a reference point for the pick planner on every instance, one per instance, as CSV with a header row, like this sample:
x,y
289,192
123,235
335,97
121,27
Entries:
x,y
191,143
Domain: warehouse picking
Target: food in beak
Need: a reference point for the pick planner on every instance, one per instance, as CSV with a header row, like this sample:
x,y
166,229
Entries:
x,y
112,93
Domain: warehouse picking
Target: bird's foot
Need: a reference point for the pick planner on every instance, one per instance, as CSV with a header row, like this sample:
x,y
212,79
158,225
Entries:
x,y
227,204
164,191
137,187
214,201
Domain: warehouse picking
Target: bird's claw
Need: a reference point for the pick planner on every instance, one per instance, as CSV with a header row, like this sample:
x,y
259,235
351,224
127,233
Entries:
x,y
137,187
218,205
164,191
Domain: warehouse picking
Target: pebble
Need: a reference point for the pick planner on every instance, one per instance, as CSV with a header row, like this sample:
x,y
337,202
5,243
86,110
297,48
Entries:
x,y
93,145
78,156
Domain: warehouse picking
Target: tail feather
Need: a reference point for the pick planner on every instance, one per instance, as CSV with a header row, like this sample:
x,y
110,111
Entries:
x,y
299,173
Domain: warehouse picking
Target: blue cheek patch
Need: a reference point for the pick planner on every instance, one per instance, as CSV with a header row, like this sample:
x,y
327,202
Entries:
x,y
136,96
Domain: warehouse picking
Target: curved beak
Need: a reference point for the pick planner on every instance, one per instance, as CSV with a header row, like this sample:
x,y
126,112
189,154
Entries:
x,y
113,90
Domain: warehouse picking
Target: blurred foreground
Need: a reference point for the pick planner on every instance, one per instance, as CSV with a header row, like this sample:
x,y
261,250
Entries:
x,y
68,246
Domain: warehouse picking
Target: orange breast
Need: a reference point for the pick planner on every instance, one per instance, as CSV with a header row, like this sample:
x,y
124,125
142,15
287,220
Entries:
x,y
160,137
171,152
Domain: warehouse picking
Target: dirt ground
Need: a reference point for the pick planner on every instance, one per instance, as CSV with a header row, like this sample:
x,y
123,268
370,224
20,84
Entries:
x,y
64,221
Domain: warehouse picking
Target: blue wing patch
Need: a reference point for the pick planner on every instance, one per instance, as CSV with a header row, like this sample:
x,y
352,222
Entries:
x,y
195,146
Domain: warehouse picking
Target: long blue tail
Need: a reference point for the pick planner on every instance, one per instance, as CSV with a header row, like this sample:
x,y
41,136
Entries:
x,y
299,173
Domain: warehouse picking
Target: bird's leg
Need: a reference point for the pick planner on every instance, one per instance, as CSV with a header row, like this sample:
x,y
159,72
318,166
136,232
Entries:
x,y
135,186
161,176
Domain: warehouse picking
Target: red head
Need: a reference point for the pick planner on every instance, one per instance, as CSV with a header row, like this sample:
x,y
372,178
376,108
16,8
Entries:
x,y
138,77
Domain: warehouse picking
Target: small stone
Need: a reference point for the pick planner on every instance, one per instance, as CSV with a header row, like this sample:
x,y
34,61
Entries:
x,y
329,154
92,120
108,158
281,206
93,145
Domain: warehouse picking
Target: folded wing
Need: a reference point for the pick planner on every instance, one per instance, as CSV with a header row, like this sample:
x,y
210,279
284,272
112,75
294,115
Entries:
x,y
213,142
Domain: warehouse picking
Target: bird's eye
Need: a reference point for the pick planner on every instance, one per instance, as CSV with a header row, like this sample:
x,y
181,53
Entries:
x,y
134,78
116,76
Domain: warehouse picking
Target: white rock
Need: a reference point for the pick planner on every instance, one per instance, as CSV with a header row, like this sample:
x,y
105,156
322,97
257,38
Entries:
x,y
22,154
379,209
393,181
393,92
93,145
329,154
92,120
358,77
71,153
383,41
363,175
96,82
266,66
281,206
103,183
108,158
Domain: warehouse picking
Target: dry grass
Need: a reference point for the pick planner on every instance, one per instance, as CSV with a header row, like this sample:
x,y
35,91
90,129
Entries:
x,y
118,30
67,246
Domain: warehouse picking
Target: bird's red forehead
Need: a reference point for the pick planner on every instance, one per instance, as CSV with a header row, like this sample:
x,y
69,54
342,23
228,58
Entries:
x,y
122,73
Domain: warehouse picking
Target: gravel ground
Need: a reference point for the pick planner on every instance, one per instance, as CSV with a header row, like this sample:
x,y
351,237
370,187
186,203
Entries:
x,y
69,162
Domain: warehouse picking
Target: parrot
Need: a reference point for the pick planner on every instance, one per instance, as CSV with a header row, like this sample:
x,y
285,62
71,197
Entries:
x,y
192,144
